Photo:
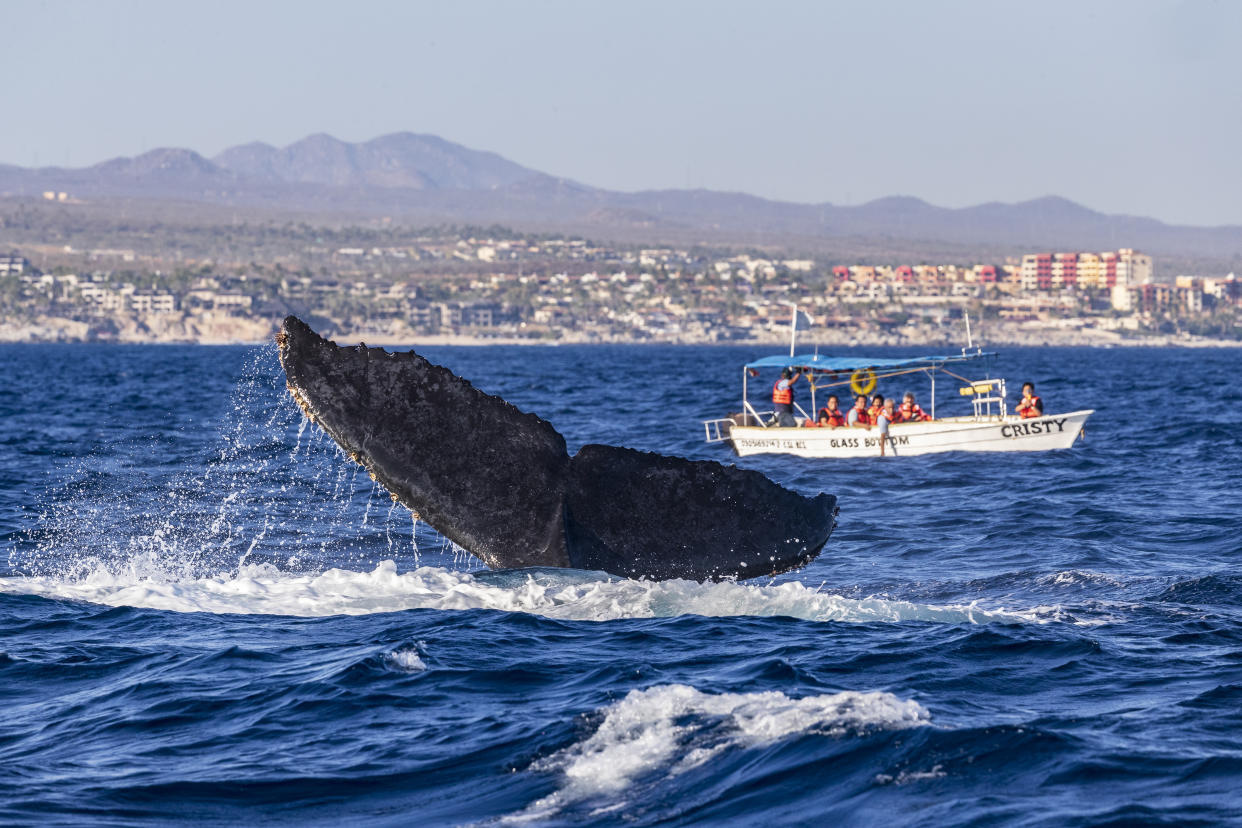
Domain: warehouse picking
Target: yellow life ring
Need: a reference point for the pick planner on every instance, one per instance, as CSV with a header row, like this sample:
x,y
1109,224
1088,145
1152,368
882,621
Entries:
x,y
863,381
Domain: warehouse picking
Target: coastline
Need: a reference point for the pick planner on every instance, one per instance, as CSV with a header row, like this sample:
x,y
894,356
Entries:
x,y
232,330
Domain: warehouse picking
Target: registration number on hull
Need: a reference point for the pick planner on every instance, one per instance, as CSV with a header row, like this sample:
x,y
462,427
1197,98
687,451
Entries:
x,y
835,442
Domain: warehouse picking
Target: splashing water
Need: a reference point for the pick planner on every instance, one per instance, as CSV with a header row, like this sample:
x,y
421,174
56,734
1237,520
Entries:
x,y
563,594
407,660
266,492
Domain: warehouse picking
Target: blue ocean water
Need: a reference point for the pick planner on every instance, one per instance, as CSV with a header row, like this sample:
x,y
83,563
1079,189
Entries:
x,y
207,613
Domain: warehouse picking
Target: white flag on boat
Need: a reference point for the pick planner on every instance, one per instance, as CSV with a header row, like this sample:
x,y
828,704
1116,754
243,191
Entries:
x,y
799,321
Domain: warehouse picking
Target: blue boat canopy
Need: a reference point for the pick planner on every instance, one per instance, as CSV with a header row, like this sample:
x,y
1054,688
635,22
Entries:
x,y
822,362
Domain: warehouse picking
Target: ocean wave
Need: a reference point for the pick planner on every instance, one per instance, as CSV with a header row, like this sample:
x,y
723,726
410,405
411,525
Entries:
x,y
674,728
1217,589
570,595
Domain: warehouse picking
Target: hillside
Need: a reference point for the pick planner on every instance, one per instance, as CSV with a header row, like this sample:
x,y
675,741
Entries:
x,y
425,178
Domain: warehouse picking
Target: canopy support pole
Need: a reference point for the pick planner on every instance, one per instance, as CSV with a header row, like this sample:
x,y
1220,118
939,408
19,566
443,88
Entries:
x,y
793,330
745,373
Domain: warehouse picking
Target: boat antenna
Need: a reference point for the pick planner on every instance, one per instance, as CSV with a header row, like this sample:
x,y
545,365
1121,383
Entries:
x,y
969,342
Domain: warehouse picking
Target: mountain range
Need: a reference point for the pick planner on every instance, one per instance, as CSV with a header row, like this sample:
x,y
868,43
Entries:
x,y
426,178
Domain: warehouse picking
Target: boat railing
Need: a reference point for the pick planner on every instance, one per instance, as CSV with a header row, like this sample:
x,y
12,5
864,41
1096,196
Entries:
x,y
986,394
719,429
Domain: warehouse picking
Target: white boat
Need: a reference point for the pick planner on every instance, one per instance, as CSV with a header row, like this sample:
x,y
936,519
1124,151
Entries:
x,y
989,427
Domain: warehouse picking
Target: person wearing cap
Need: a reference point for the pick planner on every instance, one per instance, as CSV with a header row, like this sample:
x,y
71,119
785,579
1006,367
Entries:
x,y
783,398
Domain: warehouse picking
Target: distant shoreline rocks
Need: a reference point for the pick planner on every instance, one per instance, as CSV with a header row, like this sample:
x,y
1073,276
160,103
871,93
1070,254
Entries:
x,y
222,329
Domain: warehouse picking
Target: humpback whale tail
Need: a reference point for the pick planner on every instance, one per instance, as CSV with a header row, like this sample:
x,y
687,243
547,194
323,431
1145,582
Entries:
x,y
500,483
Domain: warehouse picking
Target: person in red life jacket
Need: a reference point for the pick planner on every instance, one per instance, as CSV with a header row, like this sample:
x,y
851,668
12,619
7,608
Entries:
x,y
888,414
877,405
830,415
783,397
910,411
858,415
1030,405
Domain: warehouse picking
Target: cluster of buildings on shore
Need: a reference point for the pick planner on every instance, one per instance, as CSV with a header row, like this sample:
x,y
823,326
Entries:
x,y
99,294
1111,273
560,286
1123,280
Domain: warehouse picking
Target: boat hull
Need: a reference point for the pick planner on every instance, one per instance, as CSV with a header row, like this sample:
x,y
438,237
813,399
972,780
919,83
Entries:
x,y
1054,431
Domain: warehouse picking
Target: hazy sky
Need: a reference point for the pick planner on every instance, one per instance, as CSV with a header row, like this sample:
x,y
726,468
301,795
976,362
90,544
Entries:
x,y
1127,107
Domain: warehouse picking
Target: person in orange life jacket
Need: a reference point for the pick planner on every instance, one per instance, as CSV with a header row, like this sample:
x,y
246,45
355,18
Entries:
x,y
783,396
858,415
888,414
830,415
910,411
823,421
1030,405
877,405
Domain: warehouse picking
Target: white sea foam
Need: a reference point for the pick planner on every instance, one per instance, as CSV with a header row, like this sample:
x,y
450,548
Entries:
x,y
263,589
906,777
673,728
407,660
1079,578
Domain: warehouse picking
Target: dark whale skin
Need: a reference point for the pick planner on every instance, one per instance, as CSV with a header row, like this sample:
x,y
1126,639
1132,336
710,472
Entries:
x,y
646,515
482,473
498,481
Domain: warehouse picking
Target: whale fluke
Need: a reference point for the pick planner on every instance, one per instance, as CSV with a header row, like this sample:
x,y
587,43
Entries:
x,y
499,482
